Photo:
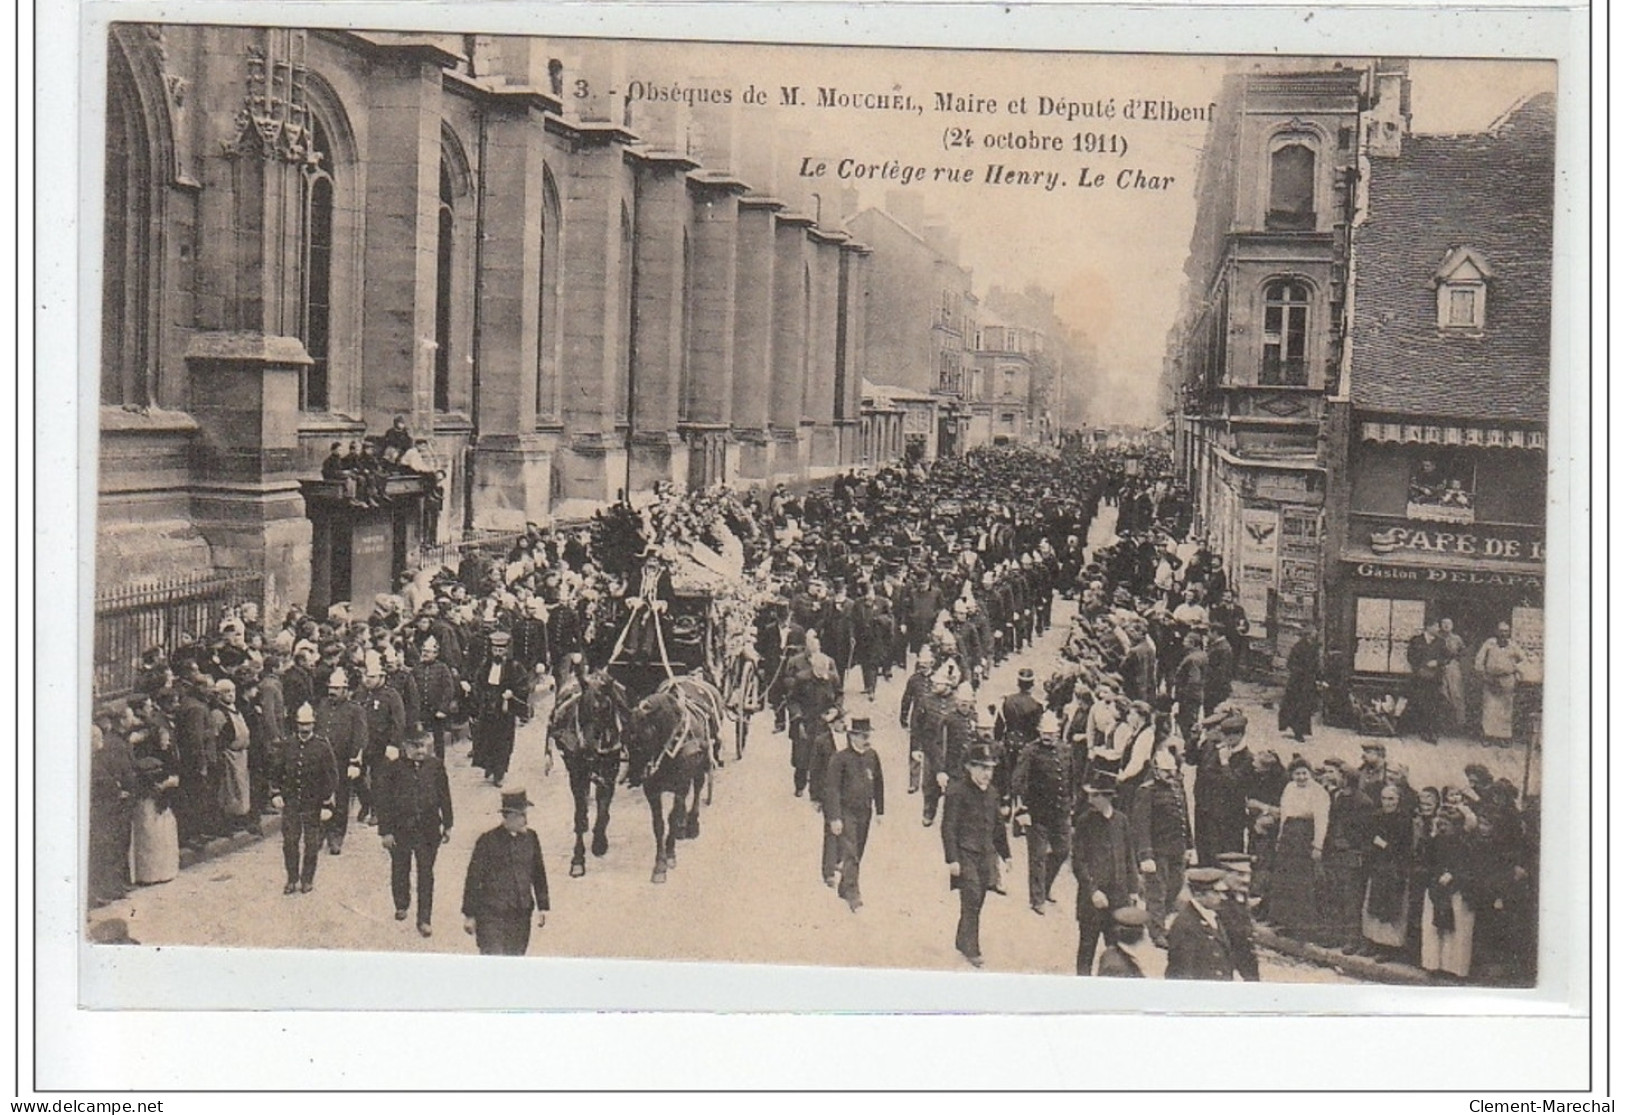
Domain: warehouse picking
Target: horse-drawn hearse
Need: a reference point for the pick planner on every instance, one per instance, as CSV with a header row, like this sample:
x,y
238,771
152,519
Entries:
x,y
681,674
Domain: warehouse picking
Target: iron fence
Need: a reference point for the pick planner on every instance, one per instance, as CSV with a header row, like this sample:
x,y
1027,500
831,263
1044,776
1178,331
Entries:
x,y
493,543
133,618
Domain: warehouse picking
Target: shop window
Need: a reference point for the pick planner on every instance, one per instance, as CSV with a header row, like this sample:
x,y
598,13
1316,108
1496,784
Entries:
x,y
1286,334
1383,628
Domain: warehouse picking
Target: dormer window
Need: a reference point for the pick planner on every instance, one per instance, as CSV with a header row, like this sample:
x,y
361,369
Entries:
x,y
1462,281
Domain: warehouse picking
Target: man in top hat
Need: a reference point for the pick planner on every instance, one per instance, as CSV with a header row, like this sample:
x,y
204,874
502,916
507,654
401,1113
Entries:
x,y
413,799
1199,946
1104,864
1041,791
1130,948
855,791
304,784
506,881
500,693
341,722
974,843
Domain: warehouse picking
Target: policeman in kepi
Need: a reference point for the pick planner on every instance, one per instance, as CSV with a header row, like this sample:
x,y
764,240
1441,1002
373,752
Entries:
x,y
303,785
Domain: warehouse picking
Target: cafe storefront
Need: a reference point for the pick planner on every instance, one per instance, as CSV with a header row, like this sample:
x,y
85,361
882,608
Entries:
x,y
1395,576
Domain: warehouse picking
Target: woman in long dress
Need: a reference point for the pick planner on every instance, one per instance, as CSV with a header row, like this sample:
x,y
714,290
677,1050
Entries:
x,y
1450,677
1447,914
1497,664
1294,891
1384,917
155,846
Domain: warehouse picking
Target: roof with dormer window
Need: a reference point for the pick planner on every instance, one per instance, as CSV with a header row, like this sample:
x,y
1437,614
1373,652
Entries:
x,y
1445,208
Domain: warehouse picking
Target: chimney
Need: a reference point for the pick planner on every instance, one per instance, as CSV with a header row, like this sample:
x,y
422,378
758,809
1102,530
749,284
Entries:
x,y
1388,121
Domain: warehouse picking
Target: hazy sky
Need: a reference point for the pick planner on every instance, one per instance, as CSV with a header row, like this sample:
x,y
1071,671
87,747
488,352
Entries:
x,y
1113,256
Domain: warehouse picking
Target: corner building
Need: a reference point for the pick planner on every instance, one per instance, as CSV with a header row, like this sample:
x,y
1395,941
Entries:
x,y
573,294
1363,368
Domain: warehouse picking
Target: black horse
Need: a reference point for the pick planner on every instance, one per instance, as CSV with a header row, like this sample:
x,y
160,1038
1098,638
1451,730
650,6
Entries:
x,y
670,742
586,726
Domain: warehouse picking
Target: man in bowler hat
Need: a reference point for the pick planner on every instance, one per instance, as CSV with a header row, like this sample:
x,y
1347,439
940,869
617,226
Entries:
x,y
506,882
414,819
1107,872
973,843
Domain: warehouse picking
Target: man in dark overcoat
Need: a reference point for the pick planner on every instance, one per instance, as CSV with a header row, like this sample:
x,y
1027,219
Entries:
x,y
413,798
1199,948
506,881
974,843
499,692
1104,864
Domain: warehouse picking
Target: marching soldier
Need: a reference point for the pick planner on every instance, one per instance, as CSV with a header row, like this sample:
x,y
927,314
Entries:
x,y
1017,723
386,731
437,689
340,721
304,783
1043,803
919,709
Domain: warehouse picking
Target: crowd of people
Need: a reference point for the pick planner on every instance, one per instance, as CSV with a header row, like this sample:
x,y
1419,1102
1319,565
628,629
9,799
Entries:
x,y
364,469
939,571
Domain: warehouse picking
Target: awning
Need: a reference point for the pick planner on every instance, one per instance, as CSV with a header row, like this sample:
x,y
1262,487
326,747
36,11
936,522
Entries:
x,y
1484,437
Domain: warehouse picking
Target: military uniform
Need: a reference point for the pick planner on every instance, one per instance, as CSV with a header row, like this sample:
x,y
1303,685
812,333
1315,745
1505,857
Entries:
x,y
386,728
344,726
307,779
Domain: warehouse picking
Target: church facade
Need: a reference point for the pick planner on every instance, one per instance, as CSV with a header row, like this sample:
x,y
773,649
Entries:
x,y
572,293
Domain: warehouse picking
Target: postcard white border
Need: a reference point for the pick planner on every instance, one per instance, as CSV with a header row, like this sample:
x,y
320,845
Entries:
x,y
1493,1034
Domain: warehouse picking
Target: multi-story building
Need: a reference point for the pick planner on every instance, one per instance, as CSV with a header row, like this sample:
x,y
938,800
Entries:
x,y
1001,385
572,289
1364,365
921,318
1437,507
1260,339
